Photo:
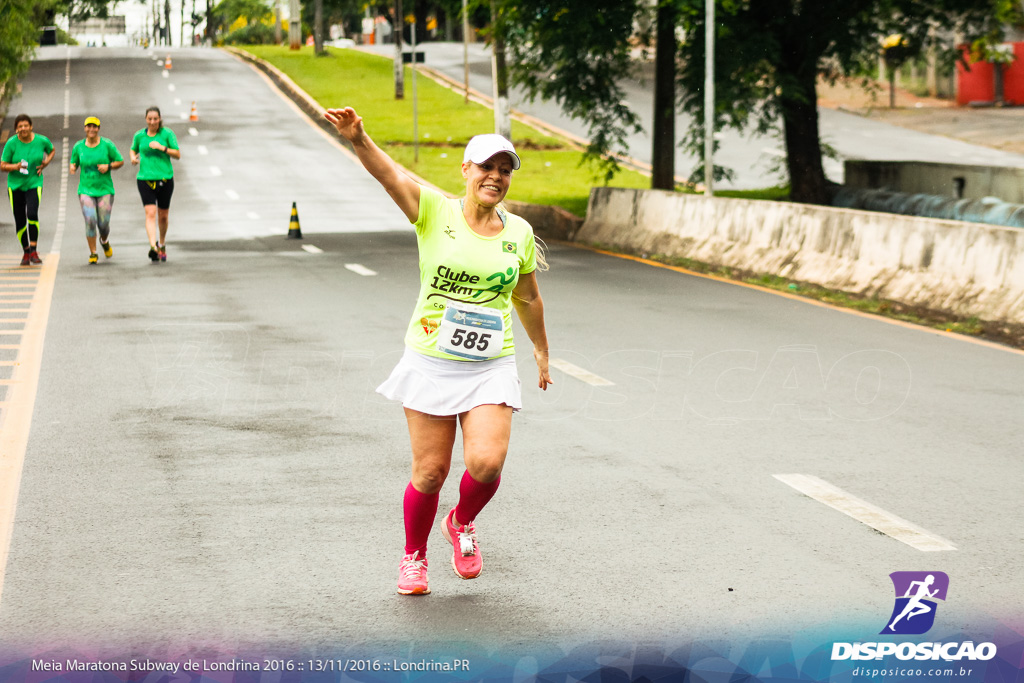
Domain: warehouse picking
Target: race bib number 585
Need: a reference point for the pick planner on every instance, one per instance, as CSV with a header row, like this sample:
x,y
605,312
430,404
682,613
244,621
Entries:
x,y
471,332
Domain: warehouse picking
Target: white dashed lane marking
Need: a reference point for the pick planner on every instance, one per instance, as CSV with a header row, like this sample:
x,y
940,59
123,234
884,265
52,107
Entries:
x,y
866,513
580,374
360,269
313,249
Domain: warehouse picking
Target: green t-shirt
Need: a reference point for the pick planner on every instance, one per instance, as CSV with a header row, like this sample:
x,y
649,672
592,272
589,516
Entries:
x,y
91,182
34,152
154,164
457,264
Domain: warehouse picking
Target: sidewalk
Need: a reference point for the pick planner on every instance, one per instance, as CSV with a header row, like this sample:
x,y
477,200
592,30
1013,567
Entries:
x,y
999,128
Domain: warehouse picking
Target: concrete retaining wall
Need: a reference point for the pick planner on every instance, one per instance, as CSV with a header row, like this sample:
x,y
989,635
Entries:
x,y
962,268
1004,182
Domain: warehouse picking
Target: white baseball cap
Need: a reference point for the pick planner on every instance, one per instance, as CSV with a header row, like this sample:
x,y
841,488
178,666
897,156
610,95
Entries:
x,y
483,147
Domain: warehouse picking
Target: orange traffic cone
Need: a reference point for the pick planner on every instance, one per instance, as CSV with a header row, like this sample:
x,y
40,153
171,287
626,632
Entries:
x,y
194,116
294,231
167,63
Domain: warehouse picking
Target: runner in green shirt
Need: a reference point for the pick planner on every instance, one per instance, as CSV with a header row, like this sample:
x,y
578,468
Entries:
x,y
152,149
477,263
24,158
97,157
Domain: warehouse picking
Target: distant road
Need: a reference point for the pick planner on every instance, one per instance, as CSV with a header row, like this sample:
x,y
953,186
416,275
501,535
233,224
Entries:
x,y
751,157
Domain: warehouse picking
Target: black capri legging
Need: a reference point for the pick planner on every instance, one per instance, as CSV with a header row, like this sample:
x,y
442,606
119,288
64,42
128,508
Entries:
x,y
156,192
25,204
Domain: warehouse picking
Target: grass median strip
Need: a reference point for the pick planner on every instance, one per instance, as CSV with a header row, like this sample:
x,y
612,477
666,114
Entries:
x,y
553,171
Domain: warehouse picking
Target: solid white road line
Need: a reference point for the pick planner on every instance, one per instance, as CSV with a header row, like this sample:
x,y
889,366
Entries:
x,y
313,249
360,270
863,511
579,373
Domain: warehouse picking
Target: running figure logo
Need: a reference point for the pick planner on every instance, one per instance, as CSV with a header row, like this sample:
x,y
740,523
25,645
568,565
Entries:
x,y
916,592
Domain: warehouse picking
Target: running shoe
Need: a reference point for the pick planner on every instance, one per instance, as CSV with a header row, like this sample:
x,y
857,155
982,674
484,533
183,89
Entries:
x,y
93,259
34,257
154,255
412,575
163,252
108,250
26,260
466,558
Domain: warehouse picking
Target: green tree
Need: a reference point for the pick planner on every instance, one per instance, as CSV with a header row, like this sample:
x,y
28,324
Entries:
x,y
772,52
769,56
18,35
577,53
252,11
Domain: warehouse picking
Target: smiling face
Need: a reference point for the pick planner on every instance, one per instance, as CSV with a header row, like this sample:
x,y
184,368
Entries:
x,y
153,121
488,183
24,131
92,131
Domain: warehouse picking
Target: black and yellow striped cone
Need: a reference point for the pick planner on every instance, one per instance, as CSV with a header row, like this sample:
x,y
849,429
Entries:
x,y
294,231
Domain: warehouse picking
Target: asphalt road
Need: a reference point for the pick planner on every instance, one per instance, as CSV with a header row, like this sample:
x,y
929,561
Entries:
x,y
209,469
754,159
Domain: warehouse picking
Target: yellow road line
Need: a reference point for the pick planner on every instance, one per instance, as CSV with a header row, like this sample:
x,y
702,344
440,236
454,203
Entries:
x,y
16,418
812,302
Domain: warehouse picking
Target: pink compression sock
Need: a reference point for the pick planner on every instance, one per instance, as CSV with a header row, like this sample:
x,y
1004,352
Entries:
x,y
473,496
420,510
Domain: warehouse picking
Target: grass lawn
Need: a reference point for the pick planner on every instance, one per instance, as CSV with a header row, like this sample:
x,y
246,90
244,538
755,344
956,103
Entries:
x,y
551,172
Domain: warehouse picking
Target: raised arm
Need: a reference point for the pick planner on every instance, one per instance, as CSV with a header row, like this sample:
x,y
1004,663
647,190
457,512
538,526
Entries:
x,y
403,189
530,308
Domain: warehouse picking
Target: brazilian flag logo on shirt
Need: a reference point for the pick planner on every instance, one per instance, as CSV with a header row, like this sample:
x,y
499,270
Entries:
x,y
509,247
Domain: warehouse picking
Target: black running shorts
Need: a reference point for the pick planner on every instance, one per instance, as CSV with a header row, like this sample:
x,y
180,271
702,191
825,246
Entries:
x,y
156,192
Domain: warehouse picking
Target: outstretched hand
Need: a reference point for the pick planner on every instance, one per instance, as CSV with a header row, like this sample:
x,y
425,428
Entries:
x,y
347,122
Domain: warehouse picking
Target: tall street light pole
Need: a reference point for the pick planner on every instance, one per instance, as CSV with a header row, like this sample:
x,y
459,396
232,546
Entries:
x,y
709,98
465,47
294,25
399,66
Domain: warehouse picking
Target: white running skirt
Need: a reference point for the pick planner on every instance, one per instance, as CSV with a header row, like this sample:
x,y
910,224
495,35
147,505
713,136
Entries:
x,y
438,386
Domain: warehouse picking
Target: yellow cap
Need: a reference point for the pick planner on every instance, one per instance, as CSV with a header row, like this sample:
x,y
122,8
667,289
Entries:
x,y
92,120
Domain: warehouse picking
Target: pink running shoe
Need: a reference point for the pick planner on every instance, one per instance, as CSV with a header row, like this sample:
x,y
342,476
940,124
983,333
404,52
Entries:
x,y
466,558
412,575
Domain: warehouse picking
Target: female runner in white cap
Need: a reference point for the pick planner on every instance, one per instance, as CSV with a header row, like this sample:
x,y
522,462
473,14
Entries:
x,y
477,263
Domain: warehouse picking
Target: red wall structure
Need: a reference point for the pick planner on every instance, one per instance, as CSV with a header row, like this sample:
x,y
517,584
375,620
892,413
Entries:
x,y
978,84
